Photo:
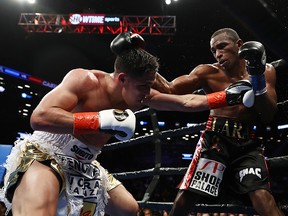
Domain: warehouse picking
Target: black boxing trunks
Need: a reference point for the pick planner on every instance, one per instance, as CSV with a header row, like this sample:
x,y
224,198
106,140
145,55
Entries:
x,y
226,149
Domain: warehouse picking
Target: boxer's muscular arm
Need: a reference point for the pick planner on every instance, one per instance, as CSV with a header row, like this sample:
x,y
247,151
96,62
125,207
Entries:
x,y
266,104
235,94
172,102
184,84
53,113
263,79
161,84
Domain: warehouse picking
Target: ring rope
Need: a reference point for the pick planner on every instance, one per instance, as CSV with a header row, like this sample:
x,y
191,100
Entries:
x,y
151,171
157,164
143,112
204,208
156,135
274,163
148,138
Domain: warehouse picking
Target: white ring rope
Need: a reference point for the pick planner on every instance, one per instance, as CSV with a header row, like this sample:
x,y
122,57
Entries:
x,y
151,172
148,138
274,163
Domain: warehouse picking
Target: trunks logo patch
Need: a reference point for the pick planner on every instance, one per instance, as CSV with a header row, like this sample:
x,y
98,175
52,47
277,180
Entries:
x,y
83,187
73,165
208,176
249,171
82,153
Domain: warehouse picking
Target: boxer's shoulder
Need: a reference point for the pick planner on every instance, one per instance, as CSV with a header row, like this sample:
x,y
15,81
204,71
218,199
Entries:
x,y
86,76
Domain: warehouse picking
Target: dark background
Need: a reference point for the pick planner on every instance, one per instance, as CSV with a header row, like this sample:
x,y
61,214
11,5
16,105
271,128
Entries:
x,y
51,56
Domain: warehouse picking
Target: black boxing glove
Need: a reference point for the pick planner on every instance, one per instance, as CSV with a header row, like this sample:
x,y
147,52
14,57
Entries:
x,y
281,66
254,54
240,92
125,41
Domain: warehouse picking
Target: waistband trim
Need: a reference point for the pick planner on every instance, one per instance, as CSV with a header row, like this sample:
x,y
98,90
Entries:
x,y
230,127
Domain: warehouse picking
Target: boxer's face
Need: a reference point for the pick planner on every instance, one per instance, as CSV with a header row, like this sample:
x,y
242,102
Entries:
x,y
136,89
224,50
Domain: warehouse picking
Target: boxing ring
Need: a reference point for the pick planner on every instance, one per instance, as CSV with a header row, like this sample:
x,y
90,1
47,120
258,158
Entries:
x,y
157,171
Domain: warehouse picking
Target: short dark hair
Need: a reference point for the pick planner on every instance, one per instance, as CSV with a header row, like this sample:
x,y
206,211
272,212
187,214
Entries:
x,y
136,62
232,34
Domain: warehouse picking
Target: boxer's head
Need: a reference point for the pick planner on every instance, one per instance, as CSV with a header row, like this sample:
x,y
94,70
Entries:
x,y
134,67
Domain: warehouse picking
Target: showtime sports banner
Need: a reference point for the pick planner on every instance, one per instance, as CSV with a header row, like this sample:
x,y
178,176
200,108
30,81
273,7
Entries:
x,y
93,19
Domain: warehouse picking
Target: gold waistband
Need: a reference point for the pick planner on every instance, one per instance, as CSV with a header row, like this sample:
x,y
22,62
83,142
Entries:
x,y
230,127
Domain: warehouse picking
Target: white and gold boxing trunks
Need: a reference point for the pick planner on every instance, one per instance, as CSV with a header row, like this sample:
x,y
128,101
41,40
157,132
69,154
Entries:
x,y
85,182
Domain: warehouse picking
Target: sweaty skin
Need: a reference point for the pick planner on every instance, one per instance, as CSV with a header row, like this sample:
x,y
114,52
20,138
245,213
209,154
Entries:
x,y
99,91
216,77
80,91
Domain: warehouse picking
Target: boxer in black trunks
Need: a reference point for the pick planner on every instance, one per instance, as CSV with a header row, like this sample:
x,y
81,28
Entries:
x,y
228,143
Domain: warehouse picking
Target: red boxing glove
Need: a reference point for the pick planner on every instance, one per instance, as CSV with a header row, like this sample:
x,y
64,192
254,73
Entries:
x,y
117,122
85,122
240,92
217,100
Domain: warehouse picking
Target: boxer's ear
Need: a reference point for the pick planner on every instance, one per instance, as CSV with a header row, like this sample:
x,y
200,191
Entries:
x,y
122,77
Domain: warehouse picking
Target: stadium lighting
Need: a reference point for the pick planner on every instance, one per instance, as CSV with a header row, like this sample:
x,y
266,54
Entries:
x,y
2,89
28,1
280,127
168,2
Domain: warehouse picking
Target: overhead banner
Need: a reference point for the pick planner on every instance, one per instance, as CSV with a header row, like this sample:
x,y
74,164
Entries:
x,y
93,19
26,77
